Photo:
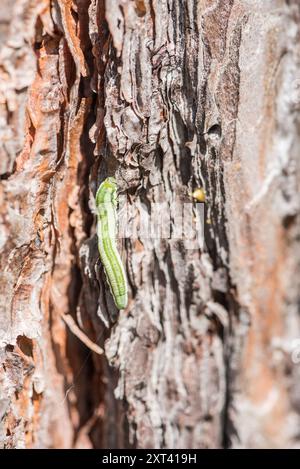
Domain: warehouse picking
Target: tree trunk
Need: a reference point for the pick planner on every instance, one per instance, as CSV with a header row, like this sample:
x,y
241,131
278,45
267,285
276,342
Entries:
x,y
168,96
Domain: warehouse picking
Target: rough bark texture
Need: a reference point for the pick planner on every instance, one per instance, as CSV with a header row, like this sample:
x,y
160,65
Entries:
x,y
166,95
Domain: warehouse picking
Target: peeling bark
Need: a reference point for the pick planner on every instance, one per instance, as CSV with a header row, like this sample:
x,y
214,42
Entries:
x,y
167,96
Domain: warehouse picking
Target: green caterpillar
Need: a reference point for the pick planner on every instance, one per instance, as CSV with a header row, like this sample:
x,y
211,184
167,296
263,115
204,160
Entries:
x,y
106,204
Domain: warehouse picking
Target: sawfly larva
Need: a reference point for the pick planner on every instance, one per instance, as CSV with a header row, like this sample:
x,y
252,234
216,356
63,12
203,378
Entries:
x,y
106,204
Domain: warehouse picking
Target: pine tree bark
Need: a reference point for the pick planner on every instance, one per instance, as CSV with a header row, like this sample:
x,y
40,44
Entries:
x,y
168,96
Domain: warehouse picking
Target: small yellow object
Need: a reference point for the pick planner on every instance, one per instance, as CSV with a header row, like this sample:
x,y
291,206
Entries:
x,y
199,194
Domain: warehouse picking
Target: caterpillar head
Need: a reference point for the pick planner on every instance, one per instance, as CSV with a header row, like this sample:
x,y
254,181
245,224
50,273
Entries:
x,y
107,191
110,183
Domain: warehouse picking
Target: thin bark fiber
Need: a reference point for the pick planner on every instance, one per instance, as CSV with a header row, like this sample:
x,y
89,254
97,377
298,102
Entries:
x,y
168,96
